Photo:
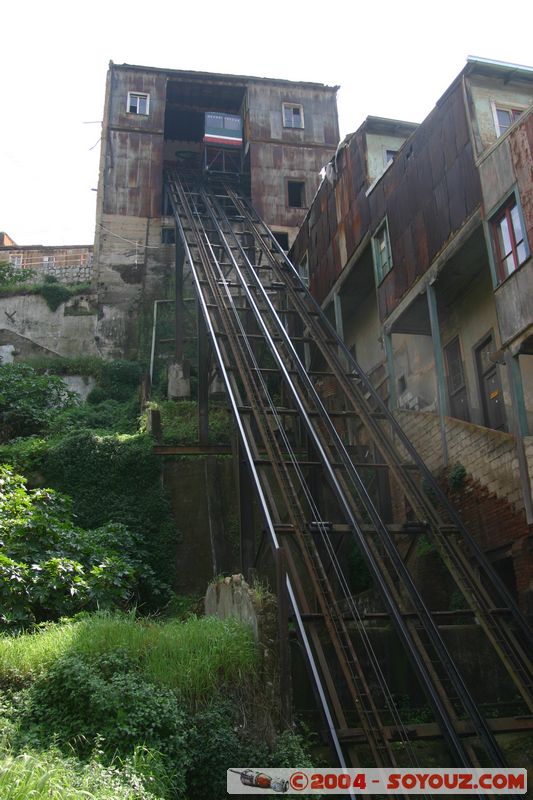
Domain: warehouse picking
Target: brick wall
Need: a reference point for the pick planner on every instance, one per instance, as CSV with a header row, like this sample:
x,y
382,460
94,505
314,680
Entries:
x,y
489,456
490,501
501,531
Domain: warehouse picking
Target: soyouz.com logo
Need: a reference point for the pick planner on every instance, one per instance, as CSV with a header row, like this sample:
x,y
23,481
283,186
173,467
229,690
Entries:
x,y
253,780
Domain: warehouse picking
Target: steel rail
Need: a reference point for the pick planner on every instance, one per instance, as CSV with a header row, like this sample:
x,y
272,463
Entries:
x,y
248,210
348,660
447,724
425,618
509,649
225,374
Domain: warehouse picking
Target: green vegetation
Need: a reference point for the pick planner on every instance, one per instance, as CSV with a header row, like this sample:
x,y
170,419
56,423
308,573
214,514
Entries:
x,y
51,568
97,701
48,775
456,477
163,707
13,282
195,658
180,422
93,453
29,401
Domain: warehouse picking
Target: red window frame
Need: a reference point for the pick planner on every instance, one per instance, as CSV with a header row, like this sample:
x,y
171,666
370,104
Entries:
x,y
504,221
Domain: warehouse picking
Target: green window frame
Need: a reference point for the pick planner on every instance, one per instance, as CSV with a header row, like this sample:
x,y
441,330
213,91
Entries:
x,y
382,252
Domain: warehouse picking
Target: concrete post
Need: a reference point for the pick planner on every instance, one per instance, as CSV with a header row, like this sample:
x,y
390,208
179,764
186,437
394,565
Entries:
x,y
442,401
520,429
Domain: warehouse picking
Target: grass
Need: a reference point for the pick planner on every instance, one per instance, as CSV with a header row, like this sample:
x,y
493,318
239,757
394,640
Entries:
x,y
196,658
179,421
49,776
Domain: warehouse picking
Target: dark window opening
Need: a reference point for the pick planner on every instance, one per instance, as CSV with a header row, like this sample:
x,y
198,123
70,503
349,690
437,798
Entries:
x,y
455,378
504,568
402,384
282,239
168,235
492,407
296,194
390,155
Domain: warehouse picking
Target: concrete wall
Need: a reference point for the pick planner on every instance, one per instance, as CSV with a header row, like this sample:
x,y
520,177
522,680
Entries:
x,y
486,92
376,152
471,317
203,499
232,598
362,329
133,269
31,327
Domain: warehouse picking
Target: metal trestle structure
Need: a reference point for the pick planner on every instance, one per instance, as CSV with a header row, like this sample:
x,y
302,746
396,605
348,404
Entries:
x,y
329,462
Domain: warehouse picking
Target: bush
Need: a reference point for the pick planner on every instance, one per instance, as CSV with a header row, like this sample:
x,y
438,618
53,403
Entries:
x,y
10,275
116,478
48,775
81,700
28,401
179,421
51,568
107,416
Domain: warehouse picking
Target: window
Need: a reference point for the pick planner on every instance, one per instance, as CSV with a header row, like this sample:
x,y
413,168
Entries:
x,y
455,377
390,155
382,252
293,116
168,235
49,261
303,269
15,260
138,103
510,249
296,194
282,239
504,118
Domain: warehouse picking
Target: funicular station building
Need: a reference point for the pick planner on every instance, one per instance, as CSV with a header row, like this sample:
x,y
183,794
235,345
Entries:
x,y
277,134
415,243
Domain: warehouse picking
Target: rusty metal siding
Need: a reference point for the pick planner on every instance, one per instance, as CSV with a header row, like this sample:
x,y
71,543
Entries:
x,y
426,195
521,143
133,174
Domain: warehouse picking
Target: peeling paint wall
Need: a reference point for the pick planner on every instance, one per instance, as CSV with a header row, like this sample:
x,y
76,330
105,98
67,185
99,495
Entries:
x,y
27,323
487,93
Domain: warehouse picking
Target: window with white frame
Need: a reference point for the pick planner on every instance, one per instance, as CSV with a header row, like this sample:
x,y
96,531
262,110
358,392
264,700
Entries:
x,y
504,116
382,251
138,103
509,243
49,261
15,259
293,115
303,269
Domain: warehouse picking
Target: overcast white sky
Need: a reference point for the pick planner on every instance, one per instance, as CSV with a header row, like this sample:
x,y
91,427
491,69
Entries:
x,y
391,59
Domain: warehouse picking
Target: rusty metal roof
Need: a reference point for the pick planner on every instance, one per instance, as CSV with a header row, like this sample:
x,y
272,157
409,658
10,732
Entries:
x,y
220,76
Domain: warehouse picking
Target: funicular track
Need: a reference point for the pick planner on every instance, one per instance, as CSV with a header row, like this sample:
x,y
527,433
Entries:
x,y
254,303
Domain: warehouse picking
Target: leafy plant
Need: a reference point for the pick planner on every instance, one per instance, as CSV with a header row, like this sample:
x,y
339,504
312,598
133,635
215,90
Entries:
x,y
51,568
180,422
116,478
457,477
28,400
424,546
49,775
10,275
